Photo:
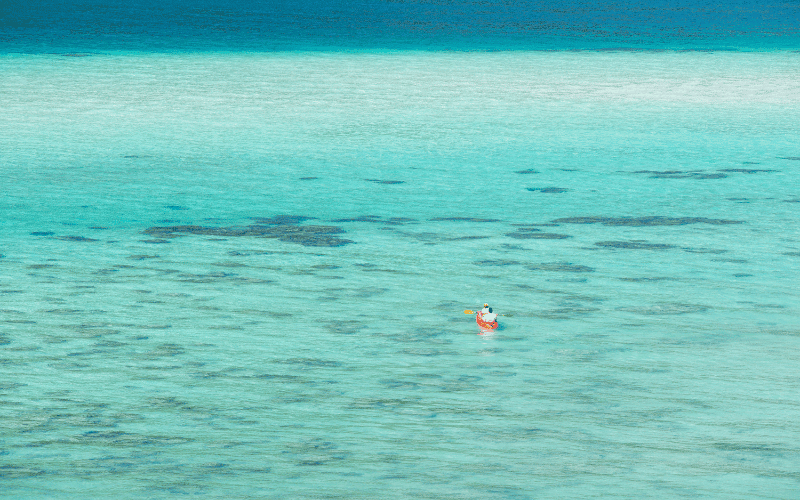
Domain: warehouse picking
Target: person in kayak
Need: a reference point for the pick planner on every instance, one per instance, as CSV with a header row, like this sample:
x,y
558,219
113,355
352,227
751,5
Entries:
x,y
488,316
485,309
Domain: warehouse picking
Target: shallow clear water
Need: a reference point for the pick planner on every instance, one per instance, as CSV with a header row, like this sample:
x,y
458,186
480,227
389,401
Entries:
x,y
632,216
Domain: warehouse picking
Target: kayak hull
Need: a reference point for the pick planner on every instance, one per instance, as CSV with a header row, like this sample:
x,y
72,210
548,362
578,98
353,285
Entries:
x,y
485,325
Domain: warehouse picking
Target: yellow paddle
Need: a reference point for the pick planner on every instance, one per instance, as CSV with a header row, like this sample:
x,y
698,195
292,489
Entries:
x,y
469,311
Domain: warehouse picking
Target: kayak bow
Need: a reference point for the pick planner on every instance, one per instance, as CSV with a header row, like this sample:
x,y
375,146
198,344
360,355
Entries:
x,y
485,325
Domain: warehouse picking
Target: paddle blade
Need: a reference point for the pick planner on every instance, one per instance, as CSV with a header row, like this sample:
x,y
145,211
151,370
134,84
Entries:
x,y
467,311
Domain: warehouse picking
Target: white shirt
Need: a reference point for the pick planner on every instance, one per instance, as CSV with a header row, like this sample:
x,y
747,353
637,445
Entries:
x,y
485,310
489,317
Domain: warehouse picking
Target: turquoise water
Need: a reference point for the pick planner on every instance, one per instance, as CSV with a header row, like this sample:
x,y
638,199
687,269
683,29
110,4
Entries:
x,y
231,274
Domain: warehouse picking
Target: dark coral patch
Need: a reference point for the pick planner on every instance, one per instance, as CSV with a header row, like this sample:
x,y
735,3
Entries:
x,y
380,181
361,218
142,257
315,240
564,267
42,233
661,172
549,190
253,230
497,262
346,327
311,362
462,238
681,174
709,176
308,178
173,231
400,220
280,231
75,238
391,221
523,226
527,171
18,472
316,236
526,235
647,279
655,220
703,250
796,158
746,170
430,238
462,219
634,245
124,439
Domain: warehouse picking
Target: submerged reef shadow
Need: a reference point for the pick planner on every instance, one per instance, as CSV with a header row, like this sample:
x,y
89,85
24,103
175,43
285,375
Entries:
x,y
651,220
497,262
549,190
381,181
430,238
534,234
282,227
634,245
564,267
462,219
345,327
81,239
681,174
377,219
748,170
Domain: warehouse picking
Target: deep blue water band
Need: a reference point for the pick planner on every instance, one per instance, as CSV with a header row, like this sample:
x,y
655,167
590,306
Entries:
x,y
46,25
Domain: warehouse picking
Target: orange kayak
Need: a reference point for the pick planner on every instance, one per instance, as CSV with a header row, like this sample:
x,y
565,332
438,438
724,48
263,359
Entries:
x,y
486,325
